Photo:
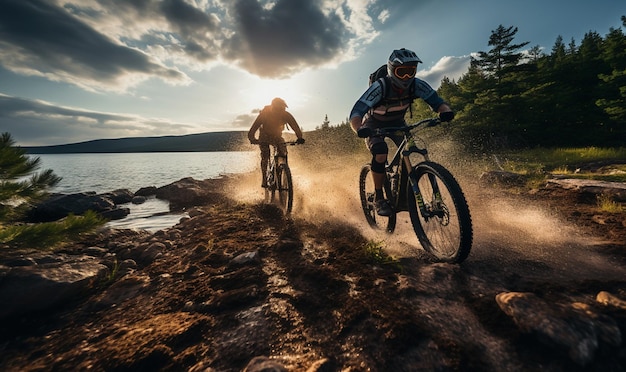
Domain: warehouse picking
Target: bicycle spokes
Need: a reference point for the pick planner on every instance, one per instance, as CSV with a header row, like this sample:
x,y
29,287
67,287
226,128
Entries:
x,y
368,202
437,209
442,222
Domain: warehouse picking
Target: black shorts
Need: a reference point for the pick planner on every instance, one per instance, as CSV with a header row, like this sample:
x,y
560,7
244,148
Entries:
x,y
372,123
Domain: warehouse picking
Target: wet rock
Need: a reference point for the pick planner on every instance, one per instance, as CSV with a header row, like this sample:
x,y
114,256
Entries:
x,y
22,261
189,192
138,199
246,259
322,365
95,251
264,364
615,190
119,196
146,191
59,206
115,213
562,327
40,287
605,298
151,253
123,289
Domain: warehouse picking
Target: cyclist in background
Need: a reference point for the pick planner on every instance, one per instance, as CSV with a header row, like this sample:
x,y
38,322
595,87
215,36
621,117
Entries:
x,y
384,104
270,124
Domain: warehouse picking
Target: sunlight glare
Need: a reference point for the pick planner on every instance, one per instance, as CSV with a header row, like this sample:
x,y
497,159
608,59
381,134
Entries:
x,y
260,92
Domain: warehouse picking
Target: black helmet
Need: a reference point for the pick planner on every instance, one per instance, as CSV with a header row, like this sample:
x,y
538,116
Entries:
x,y
279,103
402,66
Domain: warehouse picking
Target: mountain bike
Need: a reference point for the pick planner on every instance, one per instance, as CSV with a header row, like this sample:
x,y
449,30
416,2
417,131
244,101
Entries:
x,y
436,204
278,180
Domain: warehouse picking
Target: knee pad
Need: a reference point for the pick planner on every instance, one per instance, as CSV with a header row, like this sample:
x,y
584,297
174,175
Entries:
x,y
379,148
376,166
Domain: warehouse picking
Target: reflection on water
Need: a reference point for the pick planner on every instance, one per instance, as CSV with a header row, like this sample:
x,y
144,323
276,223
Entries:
x,y
107,172
152,215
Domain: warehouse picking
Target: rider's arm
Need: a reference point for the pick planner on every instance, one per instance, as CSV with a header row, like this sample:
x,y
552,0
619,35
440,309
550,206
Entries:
x,y
356,122
443,108
255,126
369,99
428,94
293,124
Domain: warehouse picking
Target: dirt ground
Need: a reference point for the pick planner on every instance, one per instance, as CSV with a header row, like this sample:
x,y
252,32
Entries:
x,y
314,300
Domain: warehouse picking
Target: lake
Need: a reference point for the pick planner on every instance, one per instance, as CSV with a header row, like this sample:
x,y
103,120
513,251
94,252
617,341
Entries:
x,y
107,172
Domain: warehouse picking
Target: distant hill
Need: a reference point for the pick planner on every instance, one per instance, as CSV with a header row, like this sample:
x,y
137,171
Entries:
x,y
212,141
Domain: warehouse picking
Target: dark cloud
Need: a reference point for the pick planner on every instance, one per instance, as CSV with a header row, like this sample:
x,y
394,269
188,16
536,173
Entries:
x,y
282,39
114,44
185,28
39,36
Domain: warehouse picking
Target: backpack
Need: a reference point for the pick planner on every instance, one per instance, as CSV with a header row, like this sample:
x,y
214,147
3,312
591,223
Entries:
x,y
381,74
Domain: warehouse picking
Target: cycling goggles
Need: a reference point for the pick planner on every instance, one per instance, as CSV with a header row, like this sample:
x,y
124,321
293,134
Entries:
x,y
405,72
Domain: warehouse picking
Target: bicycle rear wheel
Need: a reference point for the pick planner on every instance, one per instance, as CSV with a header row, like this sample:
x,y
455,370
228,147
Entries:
x,y
367,194
284,187
445,230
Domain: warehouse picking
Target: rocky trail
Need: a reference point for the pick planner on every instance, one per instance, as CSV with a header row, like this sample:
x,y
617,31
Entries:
x,y
239,286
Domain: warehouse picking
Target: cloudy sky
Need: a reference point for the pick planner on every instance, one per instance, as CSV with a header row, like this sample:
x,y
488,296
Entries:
x,y
77,70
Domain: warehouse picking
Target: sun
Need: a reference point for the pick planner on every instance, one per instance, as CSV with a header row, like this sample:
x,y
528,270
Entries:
x,y
258,92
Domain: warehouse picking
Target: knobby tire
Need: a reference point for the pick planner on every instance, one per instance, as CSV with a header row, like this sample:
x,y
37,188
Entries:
x,y
447,237
366,192
284,186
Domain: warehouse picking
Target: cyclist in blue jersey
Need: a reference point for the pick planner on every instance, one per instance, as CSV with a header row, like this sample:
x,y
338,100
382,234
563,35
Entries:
x,y
384,104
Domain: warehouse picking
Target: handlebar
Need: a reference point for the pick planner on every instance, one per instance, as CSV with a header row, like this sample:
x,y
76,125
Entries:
x,y
376,132
288,143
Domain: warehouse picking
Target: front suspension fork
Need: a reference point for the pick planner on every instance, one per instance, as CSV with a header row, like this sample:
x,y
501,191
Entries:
x,y
429,210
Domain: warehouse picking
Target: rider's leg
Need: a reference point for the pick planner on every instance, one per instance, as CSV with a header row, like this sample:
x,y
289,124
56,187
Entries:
x,y
378,175
282,148
379,159
265,156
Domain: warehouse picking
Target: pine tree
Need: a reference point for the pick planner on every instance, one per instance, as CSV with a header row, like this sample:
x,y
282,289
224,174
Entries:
x,y
325,123
503,56
18,192
15,189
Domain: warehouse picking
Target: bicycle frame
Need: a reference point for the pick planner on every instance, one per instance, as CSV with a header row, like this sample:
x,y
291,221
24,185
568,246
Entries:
x,y
426,190
278,178
400,171
275,159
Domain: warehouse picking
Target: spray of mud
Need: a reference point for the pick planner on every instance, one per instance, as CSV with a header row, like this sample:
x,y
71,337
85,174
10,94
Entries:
x,y
519,234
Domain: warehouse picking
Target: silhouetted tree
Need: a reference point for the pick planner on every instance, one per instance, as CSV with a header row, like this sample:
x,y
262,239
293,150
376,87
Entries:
x,y
503,56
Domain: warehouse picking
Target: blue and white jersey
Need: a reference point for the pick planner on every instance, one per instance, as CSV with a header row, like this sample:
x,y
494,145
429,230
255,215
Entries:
x,y
384,102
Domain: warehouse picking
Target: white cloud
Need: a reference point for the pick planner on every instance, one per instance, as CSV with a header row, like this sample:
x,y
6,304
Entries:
x,y
451,67
33,123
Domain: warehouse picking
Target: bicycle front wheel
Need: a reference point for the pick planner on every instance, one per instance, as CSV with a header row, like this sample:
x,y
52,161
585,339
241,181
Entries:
x,y
367,194
284,187
442,222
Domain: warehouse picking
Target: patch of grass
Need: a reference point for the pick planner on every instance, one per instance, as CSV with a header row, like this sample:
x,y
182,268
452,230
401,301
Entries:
x,y
570,161
607,204
375,251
